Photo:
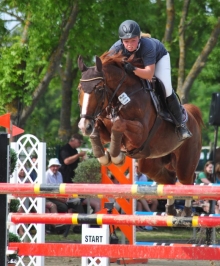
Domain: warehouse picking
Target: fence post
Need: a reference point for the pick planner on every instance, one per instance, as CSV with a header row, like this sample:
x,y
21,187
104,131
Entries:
x,y
4,169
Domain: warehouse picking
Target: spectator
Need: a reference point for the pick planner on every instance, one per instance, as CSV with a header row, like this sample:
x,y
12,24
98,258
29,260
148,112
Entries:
x,y
53,176
33,173
205,177
217,176
69,157
143,204
217,173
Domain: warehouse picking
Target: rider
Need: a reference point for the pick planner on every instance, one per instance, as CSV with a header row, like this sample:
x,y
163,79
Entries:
x,y
156,60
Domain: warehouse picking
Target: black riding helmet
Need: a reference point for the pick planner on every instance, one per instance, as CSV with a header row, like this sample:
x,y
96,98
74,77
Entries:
x,y
129,29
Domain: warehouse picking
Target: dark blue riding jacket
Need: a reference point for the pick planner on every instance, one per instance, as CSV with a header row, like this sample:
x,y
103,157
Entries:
x,y
150,50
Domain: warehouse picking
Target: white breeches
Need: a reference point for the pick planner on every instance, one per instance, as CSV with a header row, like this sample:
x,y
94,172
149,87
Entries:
x,y
163,72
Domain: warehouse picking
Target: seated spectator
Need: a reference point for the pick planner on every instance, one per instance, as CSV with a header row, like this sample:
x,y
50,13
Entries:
x,y
207,177
33,173
217,179
53,176
143,204
60,205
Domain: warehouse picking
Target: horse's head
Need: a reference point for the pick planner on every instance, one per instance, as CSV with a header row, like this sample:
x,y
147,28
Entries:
x,y
92,95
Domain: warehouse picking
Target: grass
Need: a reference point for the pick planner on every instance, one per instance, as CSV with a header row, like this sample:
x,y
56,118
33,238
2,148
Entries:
x,y
161,234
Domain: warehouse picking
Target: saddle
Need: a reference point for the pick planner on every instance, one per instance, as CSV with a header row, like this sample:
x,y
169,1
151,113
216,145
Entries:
x,y
158,96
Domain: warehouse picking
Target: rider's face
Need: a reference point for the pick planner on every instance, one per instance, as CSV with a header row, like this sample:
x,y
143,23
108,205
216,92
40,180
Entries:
x,y
131,44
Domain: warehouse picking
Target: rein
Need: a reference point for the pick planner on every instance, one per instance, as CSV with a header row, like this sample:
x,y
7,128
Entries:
x,y
105,89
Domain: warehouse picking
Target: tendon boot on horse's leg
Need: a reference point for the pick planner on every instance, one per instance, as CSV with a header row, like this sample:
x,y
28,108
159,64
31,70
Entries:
x,y
117,157
98,150
187,211
175,112
170,207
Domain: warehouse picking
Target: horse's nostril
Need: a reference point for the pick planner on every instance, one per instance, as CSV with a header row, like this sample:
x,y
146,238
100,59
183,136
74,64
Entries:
x,y
89,127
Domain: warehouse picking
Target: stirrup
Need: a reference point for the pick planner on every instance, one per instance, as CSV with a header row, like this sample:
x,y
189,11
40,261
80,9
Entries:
x,y
183,132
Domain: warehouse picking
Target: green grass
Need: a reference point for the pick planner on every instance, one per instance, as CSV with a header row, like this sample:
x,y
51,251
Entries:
x,y
161,234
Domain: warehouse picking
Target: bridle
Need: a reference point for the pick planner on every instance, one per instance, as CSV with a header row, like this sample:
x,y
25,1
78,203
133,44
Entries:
x,y
106,92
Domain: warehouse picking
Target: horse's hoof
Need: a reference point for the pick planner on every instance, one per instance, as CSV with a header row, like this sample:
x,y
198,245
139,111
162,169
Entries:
x,y
119,160
187,212
170,210
106,159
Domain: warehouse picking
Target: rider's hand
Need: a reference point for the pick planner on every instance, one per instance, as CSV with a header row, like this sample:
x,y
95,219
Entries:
x,y
129,68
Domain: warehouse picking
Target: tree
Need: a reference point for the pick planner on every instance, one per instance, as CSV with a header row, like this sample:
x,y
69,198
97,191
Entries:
x,y
39,56
27,66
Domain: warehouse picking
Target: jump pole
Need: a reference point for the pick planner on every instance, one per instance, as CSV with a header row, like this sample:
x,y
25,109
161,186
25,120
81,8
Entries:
x,y
109,219
117,191
177,252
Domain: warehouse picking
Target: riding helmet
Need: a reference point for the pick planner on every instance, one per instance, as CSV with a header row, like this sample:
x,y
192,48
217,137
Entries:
x,y
129,29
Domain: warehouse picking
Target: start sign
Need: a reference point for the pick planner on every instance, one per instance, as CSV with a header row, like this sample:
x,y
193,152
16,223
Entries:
x,y
95,236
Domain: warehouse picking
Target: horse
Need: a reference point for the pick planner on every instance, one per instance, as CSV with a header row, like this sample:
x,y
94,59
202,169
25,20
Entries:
x,y
117,110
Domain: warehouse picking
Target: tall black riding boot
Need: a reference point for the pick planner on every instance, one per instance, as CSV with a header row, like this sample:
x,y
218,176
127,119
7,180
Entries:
x,y
175,111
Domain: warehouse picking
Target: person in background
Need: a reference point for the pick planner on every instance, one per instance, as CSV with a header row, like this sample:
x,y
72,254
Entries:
x,y
149,205
69,157
143,204
217,173
53,176
63,205
205,177
217,176
33,173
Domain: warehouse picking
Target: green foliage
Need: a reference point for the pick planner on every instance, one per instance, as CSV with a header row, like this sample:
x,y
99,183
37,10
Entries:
x,y
24,63
13,238
88,171
13,160
14,204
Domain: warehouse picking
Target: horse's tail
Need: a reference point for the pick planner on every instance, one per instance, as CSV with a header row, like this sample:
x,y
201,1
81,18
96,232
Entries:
x,y
196,113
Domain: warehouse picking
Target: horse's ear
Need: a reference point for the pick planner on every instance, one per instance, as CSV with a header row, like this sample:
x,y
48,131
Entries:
x,y
81,65
98,64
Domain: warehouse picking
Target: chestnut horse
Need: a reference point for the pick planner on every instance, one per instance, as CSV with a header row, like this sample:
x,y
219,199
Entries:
x,y
117,109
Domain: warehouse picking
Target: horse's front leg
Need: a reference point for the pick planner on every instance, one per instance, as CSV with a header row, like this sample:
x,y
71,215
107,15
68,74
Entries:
x,y
98,149
118,129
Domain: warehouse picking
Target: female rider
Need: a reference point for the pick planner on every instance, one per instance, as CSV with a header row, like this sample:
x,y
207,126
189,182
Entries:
x,y
156,62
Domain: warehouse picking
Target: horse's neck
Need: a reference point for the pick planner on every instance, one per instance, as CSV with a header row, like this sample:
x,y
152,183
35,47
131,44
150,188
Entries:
x,y
119,81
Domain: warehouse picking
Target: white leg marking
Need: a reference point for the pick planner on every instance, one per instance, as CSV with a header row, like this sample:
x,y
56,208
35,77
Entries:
x,y
188,202
170,202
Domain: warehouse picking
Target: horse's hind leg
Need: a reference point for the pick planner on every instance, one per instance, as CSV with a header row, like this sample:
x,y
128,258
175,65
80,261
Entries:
x,y
185,167
155,170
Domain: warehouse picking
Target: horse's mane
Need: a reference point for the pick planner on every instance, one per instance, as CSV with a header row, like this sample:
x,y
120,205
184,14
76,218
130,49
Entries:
x,y
109,58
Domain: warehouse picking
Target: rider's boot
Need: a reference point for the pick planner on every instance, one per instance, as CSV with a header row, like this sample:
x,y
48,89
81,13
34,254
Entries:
x,y
175,111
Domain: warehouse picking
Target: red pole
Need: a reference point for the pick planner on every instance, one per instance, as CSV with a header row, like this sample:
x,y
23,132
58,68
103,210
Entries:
x,y
99,219
118,251
110,190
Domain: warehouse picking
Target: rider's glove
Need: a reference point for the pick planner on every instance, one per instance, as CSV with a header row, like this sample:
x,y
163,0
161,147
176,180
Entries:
x,y
129,68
